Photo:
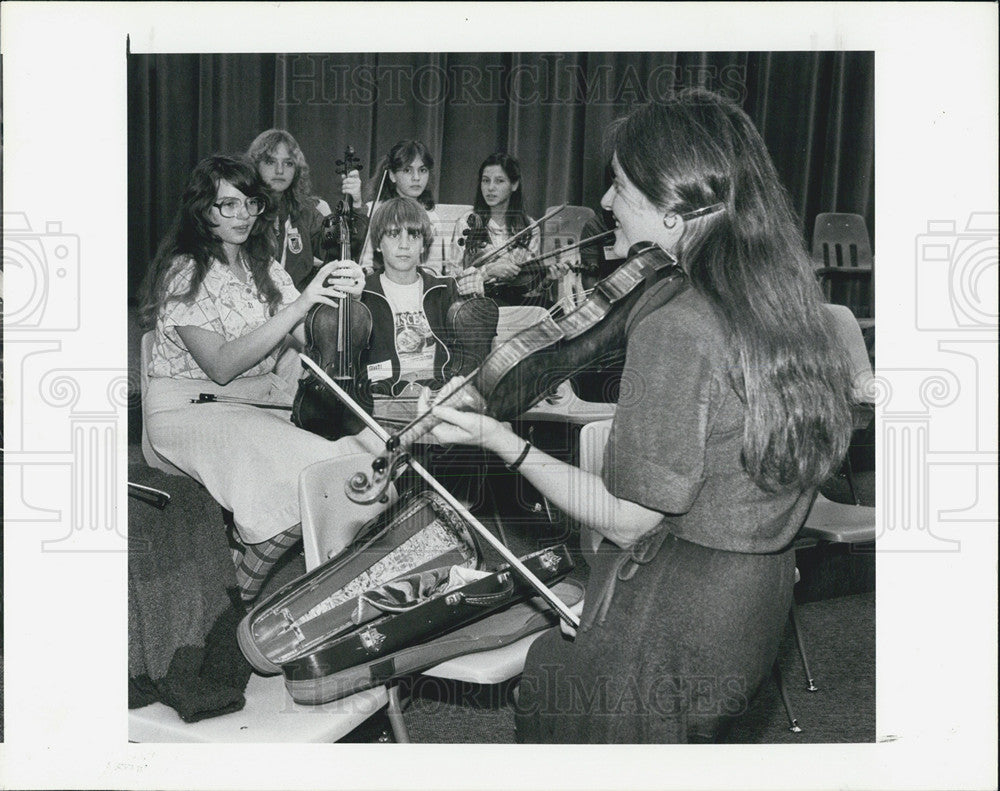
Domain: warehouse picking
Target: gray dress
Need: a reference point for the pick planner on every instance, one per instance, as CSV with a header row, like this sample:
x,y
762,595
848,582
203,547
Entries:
x,y
679,632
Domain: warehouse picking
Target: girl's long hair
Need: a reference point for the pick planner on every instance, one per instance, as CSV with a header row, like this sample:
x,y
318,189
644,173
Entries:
x,y
190,236
748,259
299,192
516,220
399,156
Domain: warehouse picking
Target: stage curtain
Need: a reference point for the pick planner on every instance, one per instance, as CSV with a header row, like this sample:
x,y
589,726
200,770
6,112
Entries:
x,y
814,109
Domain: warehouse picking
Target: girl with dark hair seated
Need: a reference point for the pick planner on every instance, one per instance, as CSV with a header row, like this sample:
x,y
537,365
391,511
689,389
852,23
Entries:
x,y
497,215
222,309
738,405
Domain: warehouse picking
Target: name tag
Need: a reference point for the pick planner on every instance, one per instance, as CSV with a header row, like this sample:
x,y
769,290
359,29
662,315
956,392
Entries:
x,y
379,371
610,254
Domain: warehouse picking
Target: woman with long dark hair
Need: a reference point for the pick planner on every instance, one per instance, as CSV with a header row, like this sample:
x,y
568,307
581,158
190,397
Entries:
x,y
736,404
497,215
298,213
222,310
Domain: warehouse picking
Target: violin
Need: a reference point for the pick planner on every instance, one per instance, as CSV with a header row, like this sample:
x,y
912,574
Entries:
x,y
521,372
535,271
528,281
474,239
335,339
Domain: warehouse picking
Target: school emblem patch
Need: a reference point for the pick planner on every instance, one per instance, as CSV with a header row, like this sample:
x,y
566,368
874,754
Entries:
x,y
294,241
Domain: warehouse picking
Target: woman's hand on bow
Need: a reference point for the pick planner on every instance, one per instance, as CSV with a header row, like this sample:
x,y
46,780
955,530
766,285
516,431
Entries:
x,y
565,628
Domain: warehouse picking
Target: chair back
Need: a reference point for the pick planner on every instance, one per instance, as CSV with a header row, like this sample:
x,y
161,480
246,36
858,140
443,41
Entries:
x,y
450,213
841,241
842,255
569,289
593,439
516,318
848,333
153,459
569,221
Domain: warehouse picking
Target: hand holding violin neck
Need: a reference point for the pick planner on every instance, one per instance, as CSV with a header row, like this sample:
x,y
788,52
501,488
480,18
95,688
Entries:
x,y
465,397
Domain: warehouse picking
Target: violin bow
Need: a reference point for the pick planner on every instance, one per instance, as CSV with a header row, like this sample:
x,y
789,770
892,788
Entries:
x,y
212,398
568,248
371,213
490,256
564,612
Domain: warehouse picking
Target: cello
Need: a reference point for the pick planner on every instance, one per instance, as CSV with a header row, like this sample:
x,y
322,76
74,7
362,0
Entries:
x,y
335,339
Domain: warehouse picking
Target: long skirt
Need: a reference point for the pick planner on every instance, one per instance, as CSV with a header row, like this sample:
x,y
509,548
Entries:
x,y
684,646
248,458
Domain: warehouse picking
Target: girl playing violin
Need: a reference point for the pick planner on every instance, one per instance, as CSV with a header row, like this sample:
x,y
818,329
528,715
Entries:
x,y
299,214
406,172
738,407
222,308
497,215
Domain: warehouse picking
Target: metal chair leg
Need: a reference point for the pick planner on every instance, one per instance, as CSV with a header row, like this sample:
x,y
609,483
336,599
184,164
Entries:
x,y
395,712
793,724
802,648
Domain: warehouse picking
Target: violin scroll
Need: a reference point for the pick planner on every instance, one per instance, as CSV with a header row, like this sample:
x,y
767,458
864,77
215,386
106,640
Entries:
x,y
474,239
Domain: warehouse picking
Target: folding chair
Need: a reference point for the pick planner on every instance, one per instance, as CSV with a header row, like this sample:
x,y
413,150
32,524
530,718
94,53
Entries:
x,y
842,254
153,459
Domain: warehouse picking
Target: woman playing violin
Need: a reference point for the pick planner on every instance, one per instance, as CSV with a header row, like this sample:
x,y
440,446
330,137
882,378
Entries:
x,y
736,407
299,215
222,308
497,215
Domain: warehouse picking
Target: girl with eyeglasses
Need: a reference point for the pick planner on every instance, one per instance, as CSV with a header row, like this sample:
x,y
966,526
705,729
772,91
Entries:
x,y
299,215
735,405
223,310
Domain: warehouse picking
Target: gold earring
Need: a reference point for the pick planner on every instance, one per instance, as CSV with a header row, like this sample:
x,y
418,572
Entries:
x,y
669,221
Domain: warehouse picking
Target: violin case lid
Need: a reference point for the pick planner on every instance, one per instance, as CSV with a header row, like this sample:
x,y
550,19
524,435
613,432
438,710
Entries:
x,y
312,683
412,575
416,534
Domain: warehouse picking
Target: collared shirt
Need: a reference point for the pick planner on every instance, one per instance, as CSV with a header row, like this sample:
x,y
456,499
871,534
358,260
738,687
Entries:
x,y
223,304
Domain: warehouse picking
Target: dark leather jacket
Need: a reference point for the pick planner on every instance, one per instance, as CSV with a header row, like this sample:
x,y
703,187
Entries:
x,y
456,353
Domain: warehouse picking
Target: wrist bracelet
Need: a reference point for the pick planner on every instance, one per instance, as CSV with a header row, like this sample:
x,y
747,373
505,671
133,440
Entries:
x,y
520,459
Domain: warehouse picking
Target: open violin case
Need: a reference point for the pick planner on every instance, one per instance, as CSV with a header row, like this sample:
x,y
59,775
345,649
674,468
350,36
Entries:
x,y
395,601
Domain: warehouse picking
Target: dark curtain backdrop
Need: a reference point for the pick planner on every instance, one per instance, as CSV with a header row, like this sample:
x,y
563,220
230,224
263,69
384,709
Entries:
x,y
814,109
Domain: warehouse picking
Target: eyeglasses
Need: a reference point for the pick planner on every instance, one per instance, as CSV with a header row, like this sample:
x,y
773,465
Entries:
x,y
230,207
